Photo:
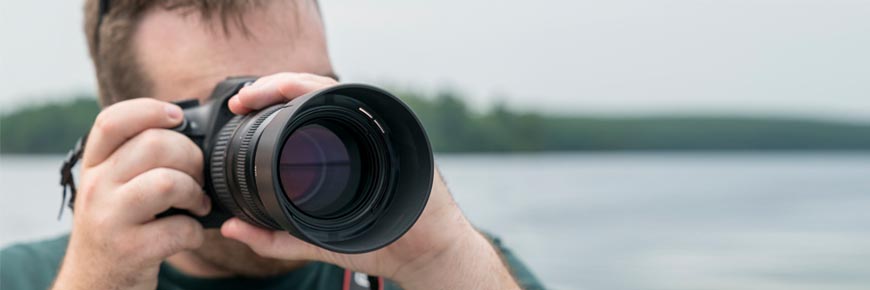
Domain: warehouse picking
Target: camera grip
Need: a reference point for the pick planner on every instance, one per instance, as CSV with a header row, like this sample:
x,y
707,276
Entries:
x,y
213,220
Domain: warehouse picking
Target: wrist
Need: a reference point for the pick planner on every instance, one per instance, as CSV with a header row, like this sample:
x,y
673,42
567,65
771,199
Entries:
x,y
469,263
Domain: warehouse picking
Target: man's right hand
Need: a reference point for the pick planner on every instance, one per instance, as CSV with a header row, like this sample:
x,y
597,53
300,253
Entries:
x,y
133,168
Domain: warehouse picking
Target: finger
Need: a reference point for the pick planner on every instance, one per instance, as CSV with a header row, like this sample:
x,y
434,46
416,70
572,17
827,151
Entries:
x,y
277,88
120,122
159,189
170,235
154,148
274,244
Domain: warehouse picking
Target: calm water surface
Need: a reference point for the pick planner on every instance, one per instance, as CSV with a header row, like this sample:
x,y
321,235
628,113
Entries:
x,y
619,221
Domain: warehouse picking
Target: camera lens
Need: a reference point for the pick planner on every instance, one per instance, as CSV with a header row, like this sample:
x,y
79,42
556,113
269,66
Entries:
x,y
316,172
348,168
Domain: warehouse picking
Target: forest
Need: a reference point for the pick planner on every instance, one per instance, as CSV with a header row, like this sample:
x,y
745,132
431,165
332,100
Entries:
x,y
453,126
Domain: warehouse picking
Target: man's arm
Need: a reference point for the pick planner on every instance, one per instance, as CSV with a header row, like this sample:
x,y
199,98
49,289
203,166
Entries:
x,y
471,264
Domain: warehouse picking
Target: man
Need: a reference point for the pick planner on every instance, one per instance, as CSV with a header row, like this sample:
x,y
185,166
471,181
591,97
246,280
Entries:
x,y
150,53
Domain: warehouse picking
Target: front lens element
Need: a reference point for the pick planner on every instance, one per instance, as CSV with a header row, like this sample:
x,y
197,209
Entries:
x,y
315,170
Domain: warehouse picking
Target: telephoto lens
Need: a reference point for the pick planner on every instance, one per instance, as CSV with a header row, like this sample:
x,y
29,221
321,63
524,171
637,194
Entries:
x,y
348,168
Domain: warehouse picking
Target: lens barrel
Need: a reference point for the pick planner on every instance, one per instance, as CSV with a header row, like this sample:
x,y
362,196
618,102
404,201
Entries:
x,y
348,168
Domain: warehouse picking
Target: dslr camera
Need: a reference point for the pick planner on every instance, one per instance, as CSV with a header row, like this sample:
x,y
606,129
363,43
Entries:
x,y
347,168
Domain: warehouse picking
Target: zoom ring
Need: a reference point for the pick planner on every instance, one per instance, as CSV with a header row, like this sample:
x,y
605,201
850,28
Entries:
x,y
219,177
244,160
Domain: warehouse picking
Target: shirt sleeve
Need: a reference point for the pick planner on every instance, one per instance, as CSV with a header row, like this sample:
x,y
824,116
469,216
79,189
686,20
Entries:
x,y
31,265
520,271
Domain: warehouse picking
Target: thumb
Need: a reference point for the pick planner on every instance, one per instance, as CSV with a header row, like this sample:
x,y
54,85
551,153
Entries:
x,y
272,244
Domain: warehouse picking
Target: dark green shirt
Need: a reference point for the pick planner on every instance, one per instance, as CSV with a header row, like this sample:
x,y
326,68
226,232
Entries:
x,y
33,266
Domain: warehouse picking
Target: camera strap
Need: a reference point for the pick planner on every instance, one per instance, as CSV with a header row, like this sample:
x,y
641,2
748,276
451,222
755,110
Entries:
x,y
66,173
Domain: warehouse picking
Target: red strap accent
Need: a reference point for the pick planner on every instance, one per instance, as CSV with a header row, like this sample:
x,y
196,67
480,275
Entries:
x,y
346,285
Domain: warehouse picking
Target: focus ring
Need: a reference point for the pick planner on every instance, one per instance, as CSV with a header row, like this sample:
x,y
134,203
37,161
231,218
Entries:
x,y
244,160
219,177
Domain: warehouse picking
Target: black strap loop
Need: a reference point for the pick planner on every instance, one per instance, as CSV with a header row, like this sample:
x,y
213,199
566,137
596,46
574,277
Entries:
x,y
66,175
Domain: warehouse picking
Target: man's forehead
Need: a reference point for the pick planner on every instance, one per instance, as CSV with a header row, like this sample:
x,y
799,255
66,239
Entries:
x,y
184,55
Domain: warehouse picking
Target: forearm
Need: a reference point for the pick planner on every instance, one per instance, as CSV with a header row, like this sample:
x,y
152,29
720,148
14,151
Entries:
x,y
88,271
469,264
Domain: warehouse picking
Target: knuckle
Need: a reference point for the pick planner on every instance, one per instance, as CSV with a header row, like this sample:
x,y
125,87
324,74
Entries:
x,y
181,148
163,183
89,191
104,122
193,235
196,154
86,190
102,220
152,139
151,133
286,88
172,140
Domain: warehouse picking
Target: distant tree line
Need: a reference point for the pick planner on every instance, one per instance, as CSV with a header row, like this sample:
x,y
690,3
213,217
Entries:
x,y
47,128
453,127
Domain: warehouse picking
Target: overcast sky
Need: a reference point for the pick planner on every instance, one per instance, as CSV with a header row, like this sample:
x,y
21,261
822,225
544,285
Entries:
x,y
782,57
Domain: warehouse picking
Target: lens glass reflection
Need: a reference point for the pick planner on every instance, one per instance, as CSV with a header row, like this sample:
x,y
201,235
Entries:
x,y
315,170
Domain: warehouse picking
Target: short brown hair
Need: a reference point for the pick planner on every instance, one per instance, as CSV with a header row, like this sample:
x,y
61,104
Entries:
x,y
119,76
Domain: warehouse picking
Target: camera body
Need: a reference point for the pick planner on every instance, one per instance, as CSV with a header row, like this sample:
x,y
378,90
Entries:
x,y
348,168
202,123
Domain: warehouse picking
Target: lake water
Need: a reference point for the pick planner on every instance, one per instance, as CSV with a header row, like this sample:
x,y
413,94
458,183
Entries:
x,y
620,220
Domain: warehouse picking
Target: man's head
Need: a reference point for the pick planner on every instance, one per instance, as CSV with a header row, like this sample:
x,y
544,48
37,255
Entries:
x,y
179,49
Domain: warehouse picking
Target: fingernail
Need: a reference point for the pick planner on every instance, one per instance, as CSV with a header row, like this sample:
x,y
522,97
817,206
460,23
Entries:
x,y
173,111
231,223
